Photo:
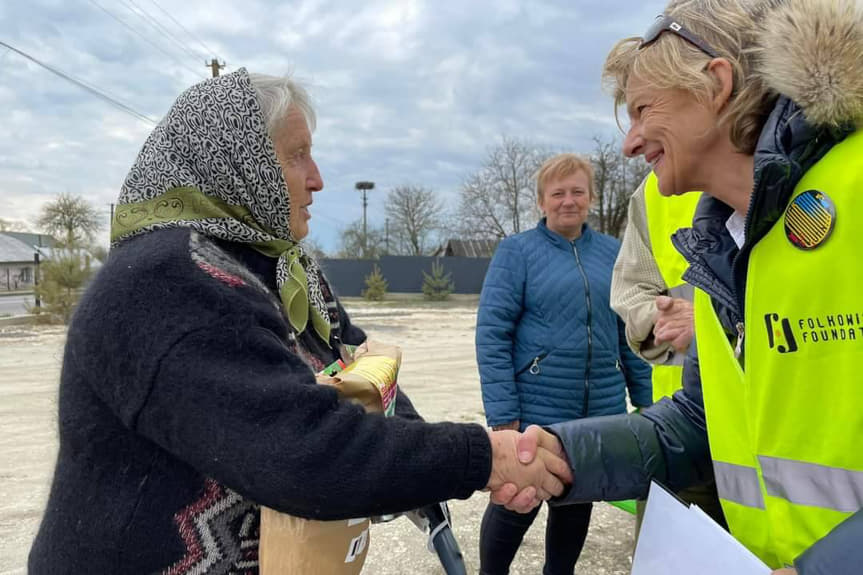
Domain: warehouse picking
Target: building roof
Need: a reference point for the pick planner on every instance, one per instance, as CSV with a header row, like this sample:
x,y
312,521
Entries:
x,y
468,248
42,240
13,250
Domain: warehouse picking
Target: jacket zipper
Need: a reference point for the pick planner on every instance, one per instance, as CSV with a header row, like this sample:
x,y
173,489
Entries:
x,y
697,281
533,366
736,270
741,332
589,331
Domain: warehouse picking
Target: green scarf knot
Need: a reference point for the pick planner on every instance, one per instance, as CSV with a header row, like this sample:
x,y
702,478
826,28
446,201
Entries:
x,y
189,207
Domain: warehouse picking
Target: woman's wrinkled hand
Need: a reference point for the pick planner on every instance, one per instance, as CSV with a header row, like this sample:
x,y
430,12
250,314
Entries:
x,y
674,322
534,446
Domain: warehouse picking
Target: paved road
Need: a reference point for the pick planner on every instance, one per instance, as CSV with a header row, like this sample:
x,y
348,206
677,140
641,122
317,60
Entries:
x,y
14,304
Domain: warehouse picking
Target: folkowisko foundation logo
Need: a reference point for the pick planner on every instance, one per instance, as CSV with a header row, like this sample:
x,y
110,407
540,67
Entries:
x,y
788,335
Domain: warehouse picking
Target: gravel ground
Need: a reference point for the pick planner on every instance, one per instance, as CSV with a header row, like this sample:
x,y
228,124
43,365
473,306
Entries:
x,y
438,372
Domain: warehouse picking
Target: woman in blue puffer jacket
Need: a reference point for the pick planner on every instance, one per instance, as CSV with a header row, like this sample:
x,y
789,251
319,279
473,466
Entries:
x,y
550,348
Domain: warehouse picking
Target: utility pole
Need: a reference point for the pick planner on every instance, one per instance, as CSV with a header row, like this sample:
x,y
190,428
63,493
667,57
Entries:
x,y
387,235
364,187
214,66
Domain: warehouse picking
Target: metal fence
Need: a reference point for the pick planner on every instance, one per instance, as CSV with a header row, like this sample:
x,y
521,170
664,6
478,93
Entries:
x,y
404,274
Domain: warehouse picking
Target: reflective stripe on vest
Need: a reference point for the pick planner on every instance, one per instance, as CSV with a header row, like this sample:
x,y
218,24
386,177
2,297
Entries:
x,y
738,483
812,484
666,215
790,426
797,481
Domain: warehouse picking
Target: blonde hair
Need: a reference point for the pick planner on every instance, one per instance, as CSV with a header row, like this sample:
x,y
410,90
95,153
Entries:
x,y
562,166
731,28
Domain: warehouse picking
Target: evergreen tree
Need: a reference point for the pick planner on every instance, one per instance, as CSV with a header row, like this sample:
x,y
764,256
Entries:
x,y
437,286
376,285
62,278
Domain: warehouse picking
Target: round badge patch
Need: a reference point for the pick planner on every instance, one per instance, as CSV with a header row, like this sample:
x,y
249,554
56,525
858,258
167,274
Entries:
x,y
809,219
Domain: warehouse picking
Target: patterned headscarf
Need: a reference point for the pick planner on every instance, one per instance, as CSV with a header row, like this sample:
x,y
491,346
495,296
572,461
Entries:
x,y
211,166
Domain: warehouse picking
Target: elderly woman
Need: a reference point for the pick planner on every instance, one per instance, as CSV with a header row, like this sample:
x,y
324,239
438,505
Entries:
x,y
760,105
188,396
550,348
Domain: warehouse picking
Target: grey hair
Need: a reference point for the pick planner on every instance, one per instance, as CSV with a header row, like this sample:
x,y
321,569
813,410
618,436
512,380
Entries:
x,y
276,94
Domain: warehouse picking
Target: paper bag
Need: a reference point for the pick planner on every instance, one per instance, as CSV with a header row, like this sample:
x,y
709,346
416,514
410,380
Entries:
x,y
293,546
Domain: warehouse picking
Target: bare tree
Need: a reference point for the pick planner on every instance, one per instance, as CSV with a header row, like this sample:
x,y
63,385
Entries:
x,y
414,214
500,198
615,178
71,219
604,158
352,242
313,248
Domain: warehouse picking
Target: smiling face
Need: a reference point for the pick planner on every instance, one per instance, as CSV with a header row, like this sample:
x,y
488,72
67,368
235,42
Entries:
x,y
566,203
674,132
293,144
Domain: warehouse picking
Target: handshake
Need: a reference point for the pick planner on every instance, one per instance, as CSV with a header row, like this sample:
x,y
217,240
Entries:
x,y
527,468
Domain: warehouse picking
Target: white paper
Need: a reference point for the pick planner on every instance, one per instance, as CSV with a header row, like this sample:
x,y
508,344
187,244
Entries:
x,y
678,539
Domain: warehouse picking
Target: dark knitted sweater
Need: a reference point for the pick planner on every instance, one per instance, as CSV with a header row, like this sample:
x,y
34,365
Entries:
x,y
185,403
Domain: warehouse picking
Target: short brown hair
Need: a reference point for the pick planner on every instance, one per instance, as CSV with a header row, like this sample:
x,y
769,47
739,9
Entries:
x,y
672,63
562,166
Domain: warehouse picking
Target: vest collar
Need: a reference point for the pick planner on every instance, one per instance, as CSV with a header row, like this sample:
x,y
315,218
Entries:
x,y
787,148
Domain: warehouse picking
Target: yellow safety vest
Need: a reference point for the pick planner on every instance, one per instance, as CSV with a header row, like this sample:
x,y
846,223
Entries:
x,y
666,215
785,432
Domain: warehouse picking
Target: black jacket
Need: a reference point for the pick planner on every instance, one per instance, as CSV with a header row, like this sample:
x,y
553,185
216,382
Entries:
x,y
184,405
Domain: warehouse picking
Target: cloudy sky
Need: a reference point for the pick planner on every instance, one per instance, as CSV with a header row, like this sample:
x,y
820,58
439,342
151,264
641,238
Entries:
x,y
407,91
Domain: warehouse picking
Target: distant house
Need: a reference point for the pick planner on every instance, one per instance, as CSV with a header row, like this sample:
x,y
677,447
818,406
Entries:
x,y
467,248
17,258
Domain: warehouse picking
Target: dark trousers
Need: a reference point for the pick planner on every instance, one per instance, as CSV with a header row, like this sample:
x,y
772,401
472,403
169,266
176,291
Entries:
x,y
502,531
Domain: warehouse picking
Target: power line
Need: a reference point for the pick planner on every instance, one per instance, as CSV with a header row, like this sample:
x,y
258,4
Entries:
x,y
186,30
95,91
141,13
133,30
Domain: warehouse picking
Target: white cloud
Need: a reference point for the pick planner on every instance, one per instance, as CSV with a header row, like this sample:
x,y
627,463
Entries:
x,y
407,91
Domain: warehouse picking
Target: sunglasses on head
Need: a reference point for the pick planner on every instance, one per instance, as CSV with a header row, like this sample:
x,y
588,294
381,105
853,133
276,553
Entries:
x,y
668,24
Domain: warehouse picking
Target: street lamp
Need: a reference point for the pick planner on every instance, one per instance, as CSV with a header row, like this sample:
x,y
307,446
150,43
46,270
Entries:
x,y
364,187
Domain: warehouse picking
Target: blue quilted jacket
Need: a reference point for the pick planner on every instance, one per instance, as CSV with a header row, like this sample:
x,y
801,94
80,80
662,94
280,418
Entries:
x,y
549,346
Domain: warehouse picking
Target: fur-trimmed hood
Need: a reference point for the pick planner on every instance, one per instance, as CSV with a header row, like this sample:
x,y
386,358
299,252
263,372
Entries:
x,y
812,52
